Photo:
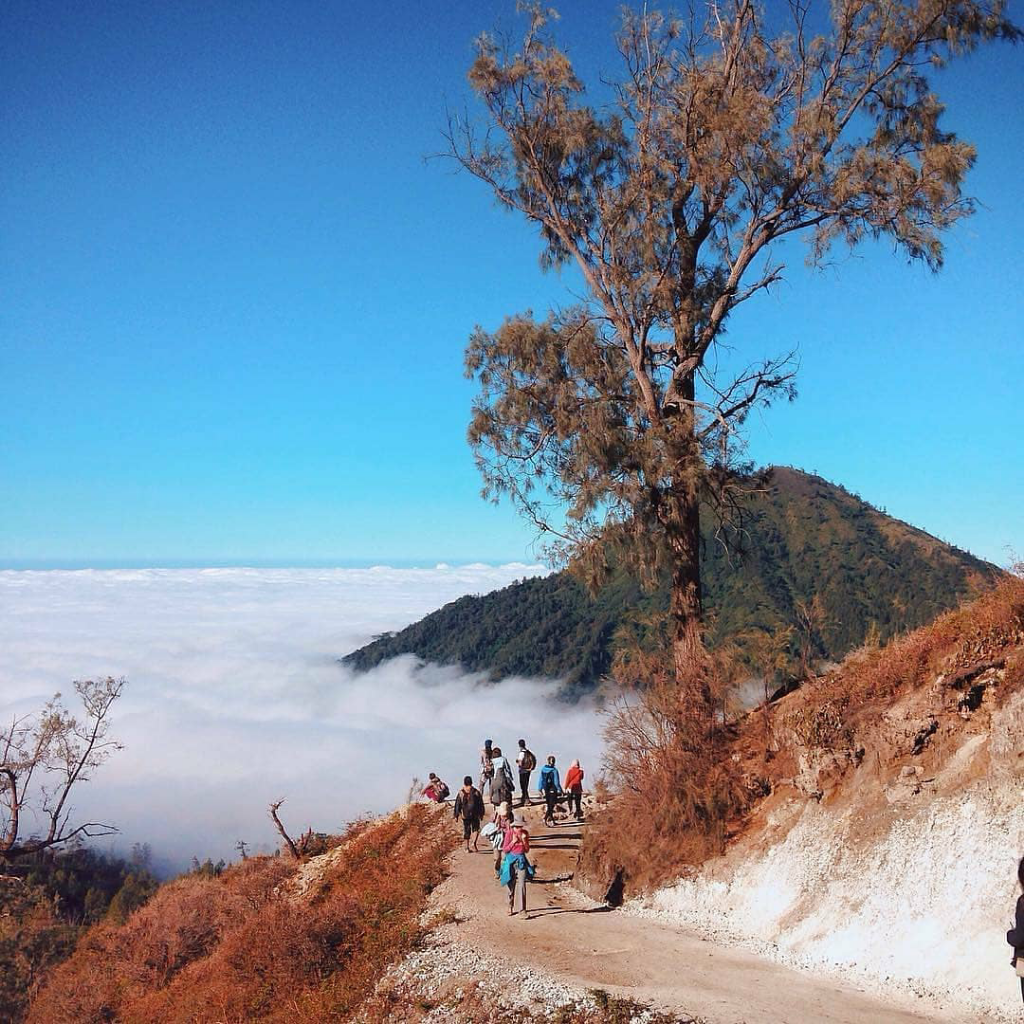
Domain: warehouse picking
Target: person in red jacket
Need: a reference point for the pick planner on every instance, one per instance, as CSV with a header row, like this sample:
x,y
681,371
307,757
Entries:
x,y
574,787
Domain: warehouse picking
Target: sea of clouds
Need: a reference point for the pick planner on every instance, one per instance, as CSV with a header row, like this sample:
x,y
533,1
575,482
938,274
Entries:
x,y
235,696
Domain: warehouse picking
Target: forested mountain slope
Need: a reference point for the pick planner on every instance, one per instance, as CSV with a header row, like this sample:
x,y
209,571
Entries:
x,y
802,536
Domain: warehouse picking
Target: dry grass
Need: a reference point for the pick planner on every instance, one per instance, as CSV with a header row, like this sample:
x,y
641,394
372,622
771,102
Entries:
x,y
989,629
234,948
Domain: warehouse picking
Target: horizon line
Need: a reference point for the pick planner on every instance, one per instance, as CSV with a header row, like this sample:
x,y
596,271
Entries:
x,y
100,564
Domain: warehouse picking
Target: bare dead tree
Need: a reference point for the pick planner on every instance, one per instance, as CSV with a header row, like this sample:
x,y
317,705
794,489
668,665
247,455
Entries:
x,y
304,844
42,758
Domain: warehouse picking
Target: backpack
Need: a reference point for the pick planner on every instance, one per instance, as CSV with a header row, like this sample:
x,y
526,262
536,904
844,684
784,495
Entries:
x,y
443,792
488,768
529,761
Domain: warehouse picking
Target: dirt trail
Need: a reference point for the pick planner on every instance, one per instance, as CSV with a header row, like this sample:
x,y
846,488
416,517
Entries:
x,y
586,946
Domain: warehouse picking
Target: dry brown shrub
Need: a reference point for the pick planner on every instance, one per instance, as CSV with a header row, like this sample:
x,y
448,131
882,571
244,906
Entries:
x,y
235,948
675,786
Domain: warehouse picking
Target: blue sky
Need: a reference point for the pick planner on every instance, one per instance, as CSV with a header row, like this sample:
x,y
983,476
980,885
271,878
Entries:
x,y
234,297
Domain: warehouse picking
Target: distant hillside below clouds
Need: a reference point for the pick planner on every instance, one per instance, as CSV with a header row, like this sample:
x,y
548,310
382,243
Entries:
x,y
803,536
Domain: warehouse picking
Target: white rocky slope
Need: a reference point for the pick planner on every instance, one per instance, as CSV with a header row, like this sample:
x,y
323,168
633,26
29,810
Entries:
x,y
895,864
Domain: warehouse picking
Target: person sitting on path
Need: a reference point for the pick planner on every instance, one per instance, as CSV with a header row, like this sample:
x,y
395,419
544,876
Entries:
x,y
501,785
436,790
469,806
526,761
550,787
574,787
1015,936
516,869
486,767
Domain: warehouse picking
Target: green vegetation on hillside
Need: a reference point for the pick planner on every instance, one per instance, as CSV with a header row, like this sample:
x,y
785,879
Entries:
x,y
800,537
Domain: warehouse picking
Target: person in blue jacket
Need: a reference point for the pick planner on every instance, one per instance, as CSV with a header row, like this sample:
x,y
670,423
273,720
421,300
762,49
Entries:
x,y
549,785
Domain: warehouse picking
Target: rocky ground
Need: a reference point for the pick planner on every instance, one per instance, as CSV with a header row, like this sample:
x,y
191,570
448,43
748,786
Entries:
x,y
890,861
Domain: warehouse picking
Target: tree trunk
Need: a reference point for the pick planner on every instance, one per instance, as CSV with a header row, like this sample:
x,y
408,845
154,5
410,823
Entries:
x,y
682,529
685,601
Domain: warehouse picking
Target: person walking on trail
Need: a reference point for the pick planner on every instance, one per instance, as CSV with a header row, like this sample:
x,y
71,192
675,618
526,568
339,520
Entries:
x,y
469,806
502,786
526,761
574,787
502,820
516,869
486,767
1015,936
550,787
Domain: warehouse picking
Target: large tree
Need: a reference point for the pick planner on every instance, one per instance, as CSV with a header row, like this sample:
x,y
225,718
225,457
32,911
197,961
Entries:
x,y
727,130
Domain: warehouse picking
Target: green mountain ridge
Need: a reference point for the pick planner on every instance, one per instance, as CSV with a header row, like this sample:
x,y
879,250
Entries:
x,y
802,536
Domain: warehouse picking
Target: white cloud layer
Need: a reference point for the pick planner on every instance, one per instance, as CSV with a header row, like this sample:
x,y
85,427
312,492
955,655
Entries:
x,y
235,697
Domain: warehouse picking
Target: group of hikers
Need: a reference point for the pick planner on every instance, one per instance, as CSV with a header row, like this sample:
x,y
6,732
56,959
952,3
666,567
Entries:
x,y
508,837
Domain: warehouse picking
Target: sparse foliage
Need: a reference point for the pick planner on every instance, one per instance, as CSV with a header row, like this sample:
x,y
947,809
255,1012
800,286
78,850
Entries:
x,y
674,788
733,128
42,758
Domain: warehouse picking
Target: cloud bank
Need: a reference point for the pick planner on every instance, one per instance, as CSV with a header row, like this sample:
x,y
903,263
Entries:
x,y
235,696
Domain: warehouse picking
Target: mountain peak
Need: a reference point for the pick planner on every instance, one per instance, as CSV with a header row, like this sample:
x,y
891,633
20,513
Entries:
x,y
802,537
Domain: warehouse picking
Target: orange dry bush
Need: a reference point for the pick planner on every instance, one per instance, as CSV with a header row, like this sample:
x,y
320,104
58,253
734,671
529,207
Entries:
x,y
248,947
675,787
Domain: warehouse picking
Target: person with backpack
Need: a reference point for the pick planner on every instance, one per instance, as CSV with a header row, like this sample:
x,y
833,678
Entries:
x,y
550,787
526,761
516,869
486,767
469,806
574,787
501,784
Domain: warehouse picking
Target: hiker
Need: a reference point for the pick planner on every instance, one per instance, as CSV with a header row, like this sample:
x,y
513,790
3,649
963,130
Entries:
x,y
526,761
469,805
436,790
550,787
1015,936
501,783
516,869
502,820
486,767
574,787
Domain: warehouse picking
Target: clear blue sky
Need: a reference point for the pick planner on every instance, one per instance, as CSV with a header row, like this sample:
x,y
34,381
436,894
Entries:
x,y
234,298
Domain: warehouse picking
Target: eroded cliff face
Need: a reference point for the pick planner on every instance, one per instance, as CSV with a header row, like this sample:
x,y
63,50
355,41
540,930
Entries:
x,y
890,851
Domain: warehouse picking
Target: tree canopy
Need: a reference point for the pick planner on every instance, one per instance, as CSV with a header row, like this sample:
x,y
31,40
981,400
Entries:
x,y
730,130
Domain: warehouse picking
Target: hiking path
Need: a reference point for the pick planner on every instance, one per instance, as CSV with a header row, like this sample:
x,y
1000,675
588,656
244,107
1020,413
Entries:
x,y
585,945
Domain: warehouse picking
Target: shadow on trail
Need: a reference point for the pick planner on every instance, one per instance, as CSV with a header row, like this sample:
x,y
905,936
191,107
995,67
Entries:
x,y
551,911
547,836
